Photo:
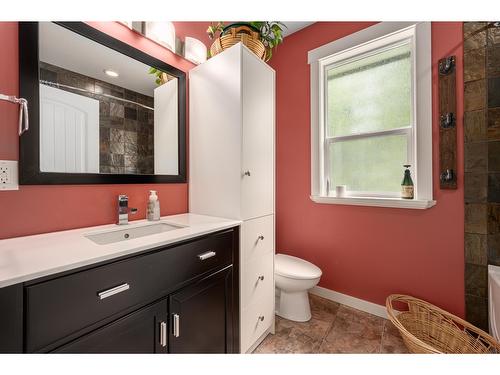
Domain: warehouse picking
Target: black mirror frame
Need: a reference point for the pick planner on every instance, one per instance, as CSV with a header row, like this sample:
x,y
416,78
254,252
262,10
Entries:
x,y
29,147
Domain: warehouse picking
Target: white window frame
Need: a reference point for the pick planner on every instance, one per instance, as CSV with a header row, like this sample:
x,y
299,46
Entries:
x,y
374,38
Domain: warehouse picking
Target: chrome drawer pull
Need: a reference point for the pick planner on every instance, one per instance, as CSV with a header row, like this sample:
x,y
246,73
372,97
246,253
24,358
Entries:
x,y
208,254
113,291
176,325
163,334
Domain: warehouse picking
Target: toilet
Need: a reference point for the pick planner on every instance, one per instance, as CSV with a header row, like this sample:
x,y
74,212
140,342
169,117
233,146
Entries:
x,y
294,277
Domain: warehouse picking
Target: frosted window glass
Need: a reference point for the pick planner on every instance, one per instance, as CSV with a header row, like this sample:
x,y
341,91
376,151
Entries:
x,y
370,94
373,164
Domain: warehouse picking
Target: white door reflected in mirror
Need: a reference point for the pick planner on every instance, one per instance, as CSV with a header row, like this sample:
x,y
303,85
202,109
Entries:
x,y
69,132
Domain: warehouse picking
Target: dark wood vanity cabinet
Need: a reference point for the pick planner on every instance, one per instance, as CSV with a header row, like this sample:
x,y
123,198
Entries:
x,y
201,318
138,332
183,298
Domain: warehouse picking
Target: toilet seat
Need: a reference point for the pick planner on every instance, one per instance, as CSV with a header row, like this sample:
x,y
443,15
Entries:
x,y
295,268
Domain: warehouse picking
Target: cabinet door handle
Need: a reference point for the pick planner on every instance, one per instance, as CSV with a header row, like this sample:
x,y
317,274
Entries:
x,y
176,326
208,254
163,334
261,318
247,173
261,278
261,237
113,291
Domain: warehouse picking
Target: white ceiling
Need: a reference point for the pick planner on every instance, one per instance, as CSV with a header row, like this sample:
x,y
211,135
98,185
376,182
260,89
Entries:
x,y
292,27
71,51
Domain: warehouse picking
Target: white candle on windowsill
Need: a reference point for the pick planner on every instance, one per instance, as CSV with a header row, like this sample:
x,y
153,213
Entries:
x,y
340,191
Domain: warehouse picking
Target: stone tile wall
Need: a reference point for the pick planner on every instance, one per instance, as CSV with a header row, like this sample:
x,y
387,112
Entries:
x,y
482,164
126,130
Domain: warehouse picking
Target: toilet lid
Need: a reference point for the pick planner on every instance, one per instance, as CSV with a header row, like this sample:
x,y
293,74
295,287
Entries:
x,y
295,268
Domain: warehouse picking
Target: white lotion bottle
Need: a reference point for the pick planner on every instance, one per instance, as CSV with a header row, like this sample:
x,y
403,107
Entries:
x,y
153,206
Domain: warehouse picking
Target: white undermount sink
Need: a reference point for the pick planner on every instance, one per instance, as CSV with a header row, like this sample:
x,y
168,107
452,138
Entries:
x,y
128,233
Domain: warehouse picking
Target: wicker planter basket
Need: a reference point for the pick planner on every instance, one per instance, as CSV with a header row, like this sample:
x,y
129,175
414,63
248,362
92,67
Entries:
x,y
426,328
244,34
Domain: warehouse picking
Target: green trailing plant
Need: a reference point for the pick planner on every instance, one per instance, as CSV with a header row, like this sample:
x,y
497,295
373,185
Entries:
x,y
158,74
215,29
270,33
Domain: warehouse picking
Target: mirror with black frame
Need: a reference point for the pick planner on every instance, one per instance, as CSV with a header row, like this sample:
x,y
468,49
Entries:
x,y
101,111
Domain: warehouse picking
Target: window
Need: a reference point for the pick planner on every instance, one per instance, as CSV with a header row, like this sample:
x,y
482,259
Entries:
x,y
371,114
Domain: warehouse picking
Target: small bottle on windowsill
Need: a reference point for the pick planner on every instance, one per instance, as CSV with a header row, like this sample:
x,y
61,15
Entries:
x,y
407,184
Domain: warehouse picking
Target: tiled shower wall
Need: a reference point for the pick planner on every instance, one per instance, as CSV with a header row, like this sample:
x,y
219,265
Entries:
x,y
126,130
482,164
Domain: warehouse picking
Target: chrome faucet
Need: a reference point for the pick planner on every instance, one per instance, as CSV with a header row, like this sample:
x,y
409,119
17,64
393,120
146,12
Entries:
x,y
123,210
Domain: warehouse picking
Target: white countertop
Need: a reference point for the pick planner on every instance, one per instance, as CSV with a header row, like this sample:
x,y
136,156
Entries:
x,y
31,257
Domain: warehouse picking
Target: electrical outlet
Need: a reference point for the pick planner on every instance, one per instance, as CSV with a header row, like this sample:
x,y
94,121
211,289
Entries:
x,y
8,175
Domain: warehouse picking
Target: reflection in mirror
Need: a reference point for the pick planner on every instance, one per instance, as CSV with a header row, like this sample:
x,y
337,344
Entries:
x,y
102,111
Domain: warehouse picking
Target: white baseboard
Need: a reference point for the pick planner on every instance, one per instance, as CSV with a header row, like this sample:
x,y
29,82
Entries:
x,y
344,299
259,340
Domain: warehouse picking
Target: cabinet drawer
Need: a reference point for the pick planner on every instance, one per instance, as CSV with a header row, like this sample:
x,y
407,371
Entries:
x,y
58,308
257,279
256,319
257,237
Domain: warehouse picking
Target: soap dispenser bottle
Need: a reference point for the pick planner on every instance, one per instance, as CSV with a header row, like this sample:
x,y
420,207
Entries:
x,y
153,206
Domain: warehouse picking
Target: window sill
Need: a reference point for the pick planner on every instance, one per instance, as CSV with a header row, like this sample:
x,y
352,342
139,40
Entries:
x,y
376,202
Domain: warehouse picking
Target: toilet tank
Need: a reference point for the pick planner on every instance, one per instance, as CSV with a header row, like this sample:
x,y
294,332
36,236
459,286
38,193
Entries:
x,y
494,300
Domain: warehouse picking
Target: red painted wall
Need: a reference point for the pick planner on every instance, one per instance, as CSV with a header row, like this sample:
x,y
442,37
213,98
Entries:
x,y
39,209
366,252
195,29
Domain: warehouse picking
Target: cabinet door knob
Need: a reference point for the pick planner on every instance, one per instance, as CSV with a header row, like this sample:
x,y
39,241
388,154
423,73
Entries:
x,y
163,334
261,318
176,326
247,173
261,278
261,237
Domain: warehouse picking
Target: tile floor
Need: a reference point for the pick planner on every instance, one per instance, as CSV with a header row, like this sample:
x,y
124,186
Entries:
x,y
334,328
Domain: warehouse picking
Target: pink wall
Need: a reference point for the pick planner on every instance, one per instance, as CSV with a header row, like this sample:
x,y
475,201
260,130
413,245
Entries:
x,y
39,209
366,252
196,30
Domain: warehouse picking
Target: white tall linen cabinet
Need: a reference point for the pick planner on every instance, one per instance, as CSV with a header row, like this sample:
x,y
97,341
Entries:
x,y
231,170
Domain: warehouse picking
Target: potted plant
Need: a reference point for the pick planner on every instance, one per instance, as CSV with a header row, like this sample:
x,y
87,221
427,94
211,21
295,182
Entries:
x,y
161,77
261,37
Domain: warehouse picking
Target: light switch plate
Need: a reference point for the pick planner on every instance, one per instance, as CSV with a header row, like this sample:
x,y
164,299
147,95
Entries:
x,y
9,175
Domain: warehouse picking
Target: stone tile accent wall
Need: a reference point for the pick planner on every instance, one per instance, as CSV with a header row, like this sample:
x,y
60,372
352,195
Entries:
x,y
126,130
482,164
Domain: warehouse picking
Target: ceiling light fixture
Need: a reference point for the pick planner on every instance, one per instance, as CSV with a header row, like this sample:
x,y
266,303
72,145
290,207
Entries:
x,y
111,73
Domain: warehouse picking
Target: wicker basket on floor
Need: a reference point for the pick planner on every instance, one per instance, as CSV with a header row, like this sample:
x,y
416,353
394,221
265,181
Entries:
x,y
426,328
244,34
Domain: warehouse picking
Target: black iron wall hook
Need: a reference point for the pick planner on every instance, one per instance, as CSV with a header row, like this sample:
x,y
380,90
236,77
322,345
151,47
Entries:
x,y
447,65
